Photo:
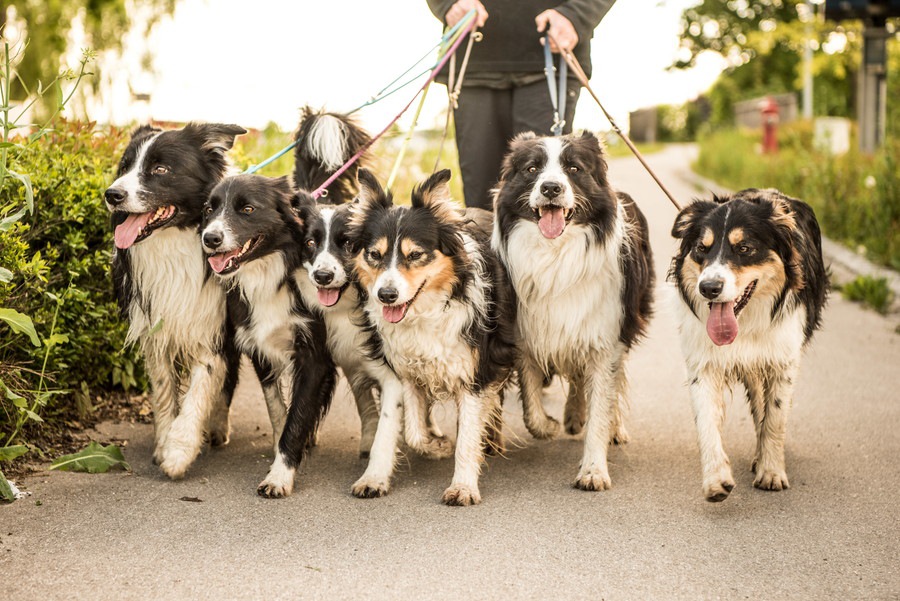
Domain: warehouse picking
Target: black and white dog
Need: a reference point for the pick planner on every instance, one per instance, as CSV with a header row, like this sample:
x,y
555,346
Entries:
x,y
443,310
752,285
176,311
578,256
253,238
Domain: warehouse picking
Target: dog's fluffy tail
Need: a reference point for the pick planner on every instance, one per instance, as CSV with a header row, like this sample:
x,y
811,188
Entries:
x,y
325,141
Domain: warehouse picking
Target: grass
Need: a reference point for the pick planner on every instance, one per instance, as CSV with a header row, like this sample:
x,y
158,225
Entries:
x,y
870,291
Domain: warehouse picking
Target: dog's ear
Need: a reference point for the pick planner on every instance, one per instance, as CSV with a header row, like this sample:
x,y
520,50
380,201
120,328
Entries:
x,y
434,194
516,147
688,215
144,130
302,206
370,190
217,138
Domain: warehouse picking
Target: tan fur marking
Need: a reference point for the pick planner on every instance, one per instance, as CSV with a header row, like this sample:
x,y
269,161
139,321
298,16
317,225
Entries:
x,y
407,246
782,215
736,236
366,274
708,237
770,277
438,275
381,245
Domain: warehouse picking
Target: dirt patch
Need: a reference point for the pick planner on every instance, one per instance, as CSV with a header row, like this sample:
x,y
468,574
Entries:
x,y
61,436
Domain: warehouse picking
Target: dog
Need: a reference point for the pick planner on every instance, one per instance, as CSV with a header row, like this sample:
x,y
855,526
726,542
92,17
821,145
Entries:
x,y
443,310
253,237
578,255
176,312
751,285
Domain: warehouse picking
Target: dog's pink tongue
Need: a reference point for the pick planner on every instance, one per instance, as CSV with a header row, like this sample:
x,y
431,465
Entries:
x,y
394,314
722,325
552,222
220,261
127,231
328,296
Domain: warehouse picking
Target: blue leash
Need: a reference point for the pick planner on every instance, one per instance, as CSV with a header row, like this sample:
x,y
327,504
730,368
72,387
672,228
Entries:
x,y
381,95
557,98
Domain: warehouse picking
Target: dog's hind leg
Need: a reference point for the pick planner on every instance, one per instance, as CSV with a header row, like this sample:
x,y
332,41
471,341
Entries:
x,y
362,387
271,387
185,438
376,480
219,427
756,398
417,429
575,408
493,438
770,470
531,379
709,412
619,435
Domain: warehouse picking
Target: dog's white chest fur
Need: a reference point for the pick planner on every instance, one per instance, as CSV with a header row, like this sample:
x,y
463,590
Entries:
x,y
569,292
273,321
177,301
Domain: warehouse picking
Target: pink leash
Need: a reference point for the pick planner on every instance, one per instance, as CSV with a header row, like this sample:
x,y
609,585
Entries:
x,y
323,189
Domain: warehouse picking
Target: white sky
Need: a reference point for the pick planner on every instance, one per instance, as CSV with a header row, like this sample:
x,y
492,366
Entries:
x,y
254,62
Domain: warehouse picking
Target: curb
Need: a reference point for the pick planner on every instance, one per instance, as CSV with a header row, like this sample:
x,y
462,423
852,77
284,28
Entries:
x,y
845,264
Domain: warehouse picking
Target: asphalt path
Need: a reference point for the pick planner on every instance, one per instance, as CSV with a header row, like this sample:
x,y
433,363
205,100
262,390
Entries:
x,y
835,534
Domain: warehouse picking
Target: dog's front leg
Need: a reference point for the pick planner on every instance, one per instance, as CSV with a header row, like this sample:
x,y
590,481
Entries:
x,y
163,400
185,437
376,480
463,489
600,391
419,435
709,412
361,385
770,469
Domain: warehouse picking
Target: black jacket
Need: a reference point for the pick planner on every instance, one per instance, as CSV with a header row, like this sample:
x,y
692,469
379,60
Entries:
x,y
511,42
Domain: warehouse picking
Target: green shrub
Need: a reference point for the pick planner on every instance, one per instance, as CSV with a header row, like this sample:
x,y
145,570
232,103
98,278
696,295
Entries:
x,y
870,291
59,257
856,197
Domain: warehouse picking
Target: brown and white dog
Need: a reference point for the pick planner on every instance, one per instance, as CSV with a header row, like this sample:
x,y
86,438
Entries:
x,y
751,286
442,308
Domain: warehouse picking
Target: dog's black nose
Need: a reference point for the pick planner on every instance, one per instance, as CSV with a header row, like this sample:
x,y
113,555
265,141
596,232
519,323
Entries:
x,y
322,277
711,288
115,196
212,239
388,295
551,189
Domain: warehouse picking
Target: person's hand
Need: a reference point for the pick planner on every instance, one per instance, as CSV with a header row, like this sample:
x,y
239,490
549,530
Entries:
x,y
562,33
459,10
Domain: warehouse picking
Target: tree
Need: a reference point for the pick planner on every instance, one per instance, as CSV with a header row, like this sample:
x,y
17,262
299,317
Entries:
x,y
47,24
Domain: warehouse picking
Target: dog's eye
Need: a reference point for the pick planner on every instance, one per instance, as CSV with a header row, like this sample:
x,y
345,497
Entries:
x,y
247,209
373,255
207,210
744,249
310,243
415,255
159,170
532,169
701,248
572,169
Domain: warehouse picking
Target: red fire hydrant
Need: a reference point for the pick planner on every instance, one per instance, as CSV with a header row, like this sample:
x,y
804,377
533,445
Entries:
x,y
769,110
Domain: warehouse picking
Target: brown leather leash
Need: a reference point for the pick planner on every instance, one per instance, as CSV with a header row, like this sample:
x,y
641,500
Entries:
x,y
582,78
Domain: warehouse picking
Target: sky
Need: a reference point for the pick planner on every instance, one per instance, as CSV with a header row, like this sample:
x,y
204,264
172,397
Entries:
x,y
255,63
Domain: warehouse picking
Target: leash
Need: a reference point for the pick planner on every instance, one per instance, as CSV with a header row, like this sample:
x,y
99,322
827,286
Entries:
x,y
557,96
451,33
453,90
582,78
465,30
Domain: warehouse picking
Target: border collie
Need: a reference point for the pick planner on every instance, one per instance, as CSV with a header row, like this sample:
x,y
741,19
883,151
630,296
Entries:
x,y
328,284
175,310
253,238
443,310
752,285
578,256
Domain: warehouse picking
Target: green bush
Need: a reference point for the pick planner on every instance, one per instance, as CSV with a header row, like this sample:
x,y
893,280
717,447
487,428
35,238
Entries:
x,y
856,197
873,292
59,257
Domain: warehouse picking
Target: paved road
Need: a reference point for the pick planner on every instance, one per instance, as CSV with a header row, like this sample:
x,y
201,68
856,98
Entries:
x,y
834,535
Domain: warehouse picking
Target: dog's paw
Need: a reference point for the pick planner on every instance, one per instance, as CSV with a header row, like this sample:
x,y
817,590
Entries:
x,y
544,430
620,436
272,490
718,485
157,456
219,437
460,495
771,480
279,481
436,447
176,460
370,487
574,423
593,479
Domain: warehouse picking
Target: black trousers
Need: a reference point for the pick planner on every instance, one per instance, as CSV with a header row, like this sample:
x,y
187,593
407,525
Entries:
x,y
488,118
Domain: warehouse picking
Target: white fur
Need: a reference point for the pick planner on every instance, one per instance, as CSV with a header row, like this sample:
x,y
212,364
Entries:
x,y
130,182
327,142
220,226
717,270
552,172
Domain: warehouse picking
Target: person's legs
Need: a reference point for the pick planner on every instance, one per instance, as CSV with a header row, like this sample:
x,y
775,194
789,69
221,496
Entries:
x,y
483,129
533,111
